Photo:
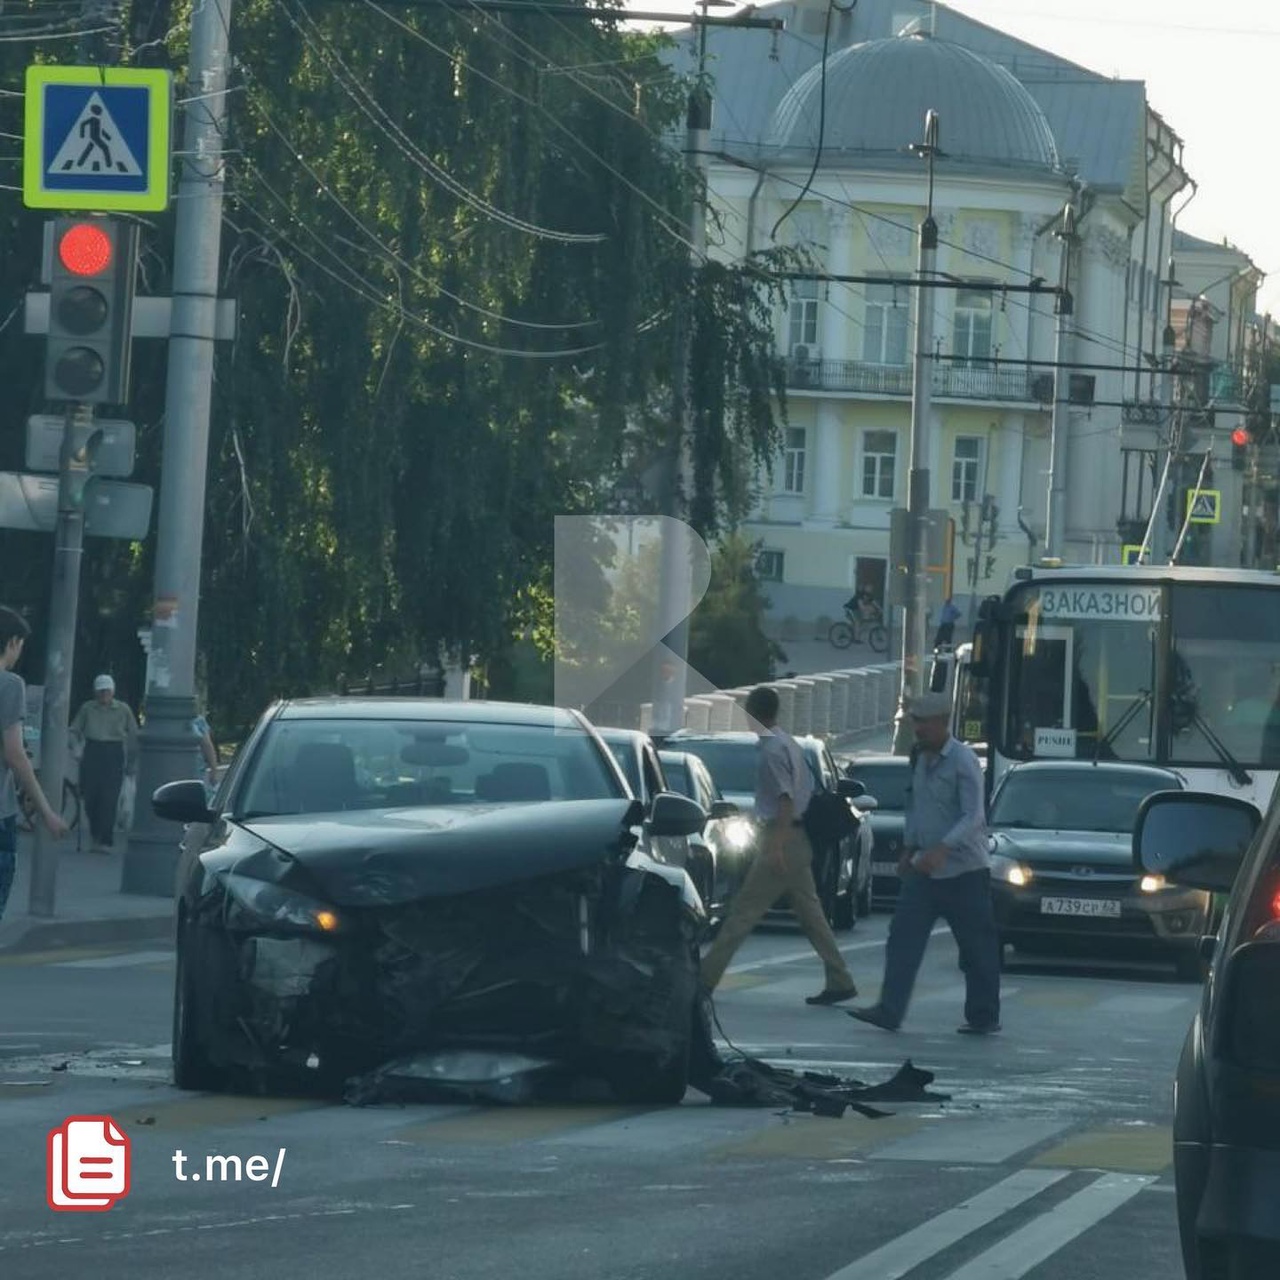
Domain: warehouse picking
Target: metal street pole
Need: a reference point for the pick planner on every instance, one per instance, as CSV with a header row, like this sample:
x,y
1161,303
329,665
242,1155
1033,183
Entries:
x,y
64,607
1158,531
915,614
670,675
167,744
1056,500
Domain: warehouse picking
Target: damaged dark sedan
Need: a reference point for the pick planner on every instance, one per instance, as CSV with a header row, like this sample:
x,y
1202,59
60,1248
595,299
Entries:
x,y
411,880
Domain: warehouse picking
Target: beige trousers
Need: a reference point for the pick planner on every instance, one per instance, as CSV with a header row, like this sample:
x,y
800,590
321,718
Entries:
x,y
764,885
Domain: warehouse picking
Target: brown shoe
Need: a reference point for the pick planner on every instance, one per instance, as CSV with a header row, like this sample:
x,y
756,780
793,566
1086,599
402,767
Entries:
x,y
830,995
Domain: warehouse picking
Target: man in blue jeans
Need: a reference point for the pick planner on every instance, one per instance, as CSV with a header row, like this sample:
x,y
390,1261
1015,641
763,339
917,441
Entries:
x,y
945,871
15,766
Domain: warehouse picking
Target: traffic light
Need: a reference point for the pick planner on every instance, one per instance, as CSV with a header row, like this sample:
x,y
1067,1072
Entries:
x,y
81,445
91,310
1240,439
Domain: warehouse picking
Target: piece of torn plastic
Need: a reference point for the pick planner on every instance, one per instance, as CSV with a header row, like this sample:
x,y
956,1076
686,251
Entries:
x,y
749,1082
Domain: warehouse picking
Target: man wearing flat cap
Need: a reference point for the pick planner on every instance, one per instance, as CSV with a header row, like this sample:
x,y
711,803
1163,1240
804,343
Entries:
x,y
106,730
946,871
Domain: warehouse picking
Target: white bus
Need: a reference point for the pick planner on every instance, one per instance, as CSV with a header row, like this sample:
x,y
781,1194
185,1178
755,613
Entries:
x,y
1152,664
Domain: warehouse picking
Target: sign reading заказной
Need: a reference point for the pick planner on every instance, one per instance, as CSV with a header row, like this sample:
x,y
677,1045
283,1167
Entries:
x,y
1106,604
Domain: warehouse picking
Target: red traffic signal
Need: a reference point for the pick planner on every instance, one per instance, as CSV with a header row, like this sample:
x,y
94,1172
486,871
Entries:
x,y
1239,437
84,249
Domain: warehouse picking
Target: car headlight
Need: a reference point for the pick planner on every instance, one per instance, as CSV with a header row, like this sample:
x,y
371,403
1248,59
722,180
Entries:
x,y
269,904
1010,871
739,833
1152,884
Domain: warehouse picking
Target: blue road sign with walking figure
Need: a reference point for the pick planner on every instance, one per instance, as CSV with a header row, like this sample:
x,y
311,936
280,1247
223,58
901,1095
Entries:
x,y
96,138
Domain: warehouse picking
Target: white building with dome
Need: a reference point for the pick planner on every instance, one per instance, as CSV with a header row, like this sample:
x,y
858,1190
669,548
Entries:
x,y
1021,132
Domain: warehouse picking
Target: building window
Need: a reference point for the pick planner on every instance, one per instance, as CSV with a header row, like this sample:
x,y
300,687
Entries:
x,y
966,468
793,461
972,335
884,338
769,566
802,320
879,452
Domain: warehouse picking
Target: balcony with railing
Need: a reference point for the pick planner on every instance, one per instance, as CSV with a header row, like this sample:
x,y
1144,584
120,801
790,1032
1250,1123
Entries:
x,y
950,380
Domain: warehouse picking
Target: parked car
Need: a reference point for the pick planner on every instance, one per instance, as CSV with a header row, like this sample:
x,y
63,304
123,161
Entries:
x,y
728,836
1062,865
886,778
842,875
378,879
1226,1103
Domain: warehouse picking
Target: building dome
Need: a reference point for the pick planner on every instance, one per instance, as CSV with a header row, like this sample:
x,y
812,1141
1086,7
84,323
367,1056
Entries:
x,y
877,95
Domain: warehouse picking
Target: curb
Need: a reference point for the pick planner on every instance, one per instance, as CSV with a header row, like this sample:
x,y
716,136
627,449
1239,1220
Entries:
x,y
26,934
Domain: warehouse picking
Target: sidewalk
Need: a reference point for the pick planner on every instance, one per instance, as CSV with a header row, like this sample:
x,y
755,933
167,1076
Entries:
x,y
89,908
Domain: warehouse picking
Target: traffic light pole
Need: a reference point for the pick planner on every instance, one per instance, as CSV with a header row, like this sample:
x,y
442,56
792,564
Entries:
x,y
168,747
64,605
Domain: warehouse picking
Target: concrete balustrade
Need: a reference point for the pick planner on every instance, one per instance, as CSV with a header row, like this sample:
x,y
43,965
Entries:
x,y
697,714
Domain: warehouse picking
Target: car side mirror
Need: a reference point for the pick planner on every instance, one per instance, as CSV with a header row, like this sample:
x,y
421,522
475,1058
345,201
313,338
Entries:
x,y
724,809
186,801
868,804
850,788
1194,838
675,815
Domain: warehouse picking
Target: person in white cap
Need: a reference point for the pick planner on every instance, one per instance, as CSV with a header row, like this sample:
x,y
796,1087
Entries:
x,y
946,871
106,732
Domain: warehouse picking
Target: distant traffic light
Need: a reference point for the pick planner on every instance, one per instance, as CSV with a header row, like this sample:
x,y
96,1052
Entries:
x,y
91,310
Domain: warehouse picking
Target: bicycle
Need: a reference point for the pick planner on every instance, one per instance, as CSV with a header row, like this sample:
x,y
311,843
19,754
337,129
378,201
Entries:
x,y
855,629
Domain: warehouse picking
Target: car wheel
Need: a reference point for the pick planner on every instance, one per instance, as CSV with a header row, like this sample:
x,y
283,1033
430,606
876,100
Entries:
x,y
192,1068
643,1081
844,913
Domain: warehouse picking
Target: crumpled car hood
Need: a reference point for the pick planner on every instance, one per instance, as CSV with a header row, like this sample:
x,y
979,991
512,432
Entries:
x,y
1094,848
386,857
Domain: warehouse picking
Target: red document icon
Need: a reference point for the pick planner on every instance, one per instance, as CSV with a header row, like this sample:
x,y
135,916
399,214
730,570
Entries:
x,y
88,1164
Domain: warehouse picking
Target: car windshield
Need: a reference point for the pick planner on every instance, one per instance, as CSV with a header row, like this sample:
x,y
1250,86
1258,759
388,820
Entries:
x,y
887,783
323,766
731,764
1096,799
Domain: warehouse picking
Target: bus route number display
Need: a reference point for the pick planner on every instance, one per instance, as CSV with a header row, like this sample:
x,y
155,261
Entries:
x,y
1100,604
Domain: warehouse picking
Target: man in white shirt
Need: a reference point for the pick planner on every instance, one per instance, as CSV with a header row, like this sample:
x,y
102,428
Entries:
x,y
784,863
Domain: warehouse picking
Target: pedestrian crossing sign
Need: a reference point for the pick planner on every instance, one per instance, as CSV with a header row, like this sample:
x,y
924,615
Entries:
x,y
1204,506
97,139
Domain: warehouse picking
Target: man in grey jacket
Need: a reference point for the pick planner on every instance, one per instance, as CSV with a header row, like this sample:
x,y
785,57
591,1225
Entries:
x,y
946,871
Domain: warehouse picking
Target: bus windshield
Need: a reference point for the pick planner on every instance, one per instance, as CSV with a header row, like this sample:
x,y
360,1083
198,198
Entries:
x,y
1089,676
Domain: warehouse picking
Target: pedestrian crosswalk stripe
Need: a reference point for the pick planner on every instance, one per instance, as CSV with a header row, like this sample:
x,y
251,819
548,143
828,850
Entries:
x,y
1122,1148
1141,1005
1056,998
1043,1236
742,982
965,1141
207,1111
126,960
909,1251
806,1137
510,1124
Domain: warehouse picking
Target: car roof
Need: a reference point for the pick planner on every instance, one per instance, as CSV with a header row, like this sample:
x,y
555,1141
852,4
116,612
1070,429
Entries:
x,y
470,711
878,760
1078,766
742,737
637,737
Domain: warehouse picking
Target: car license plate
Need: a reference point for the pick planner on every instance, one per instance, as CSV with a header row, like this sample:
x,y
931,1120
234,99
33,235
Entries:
x,y
1080,907
884,868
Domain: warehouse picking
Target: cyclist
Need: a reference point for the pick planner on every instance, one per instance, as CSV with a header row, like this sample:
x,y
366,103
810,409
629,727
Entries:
x,y
15,765
863,606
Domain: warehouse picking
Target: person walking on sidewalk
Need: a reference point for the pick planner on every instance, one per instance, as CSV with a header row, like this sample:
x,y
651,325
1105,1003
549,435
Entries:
x,y
946,871
108,731
15,764
784,863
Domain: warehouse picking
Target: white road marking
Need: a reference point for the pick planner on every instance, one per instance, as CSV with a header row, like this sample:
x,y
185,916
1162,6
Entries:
x,y
1140,1006
895,1259
790,957
123,960
973,1141
1041,1238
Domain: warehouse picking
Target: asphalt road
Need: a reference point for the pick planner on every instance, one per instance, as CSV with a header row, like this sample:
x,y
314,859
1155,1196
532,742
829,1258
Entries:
x,y
1051,1161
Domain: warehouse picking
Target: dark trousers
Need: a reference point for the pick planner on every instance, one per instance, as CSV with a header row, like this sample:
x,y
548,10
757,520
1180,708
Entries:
x,y
101,776
8,858
964,902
